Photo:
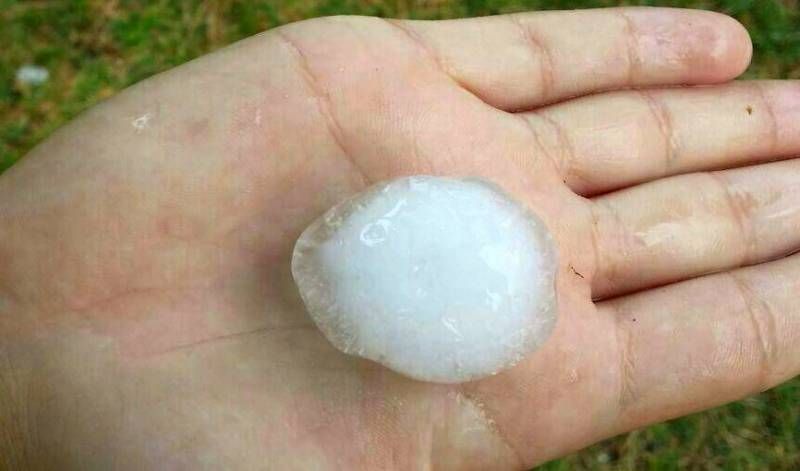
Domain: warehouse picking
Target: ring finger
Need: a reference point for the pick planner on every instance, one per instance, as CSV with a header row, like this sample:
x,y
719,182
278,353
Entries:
x,y
685,226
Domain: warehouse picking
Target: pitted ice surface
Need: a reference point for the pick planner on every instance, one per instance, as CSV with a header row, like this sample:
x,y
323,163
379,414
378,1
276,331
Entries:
x,y
440,279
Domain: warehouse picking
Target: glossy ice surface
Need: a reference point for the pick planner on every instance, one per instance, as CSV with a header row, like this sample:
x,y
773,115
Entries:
x,y
440,279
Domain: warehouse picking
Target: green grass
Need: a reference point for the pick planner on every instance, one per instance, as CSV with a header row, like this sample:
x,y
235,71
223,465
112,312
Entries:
x,y
93,48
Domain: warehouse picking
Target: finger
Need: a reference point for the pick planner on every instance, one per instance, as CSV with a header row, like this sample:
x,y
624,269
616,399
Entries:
x,y
522,61
648,357
705,342
685,226
609,141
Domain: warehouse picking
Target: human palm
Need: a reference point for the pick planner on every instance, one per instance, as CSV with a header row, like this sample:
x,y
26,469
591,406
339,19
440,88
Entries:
x,y
149,319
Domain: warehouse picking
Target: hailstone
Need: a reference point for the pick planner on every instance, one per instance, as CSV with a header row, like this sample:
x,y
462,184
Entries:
x,y
439,279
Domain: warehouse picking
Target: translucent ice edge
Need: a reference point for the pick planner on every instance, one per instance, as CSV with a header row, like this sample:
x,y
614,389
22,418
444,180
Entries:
x,y
440,279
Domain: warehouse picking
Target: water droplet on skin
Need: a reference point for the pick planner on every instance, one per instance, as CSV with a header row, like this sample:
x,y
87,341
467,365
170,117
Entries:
x,y
142,122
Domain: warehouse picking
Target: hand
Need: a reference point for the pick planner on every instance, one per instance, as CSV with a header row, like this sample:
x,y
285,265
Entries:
x,y
149,319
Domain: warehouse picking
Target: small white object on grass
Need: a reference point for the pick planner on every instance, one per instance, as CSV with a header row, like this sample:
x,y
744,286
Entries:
x,y
32,75
440,279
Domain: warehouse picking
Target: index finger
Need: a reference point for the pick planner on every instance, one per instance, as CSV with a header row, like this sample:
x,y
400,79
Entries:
x,y
522,61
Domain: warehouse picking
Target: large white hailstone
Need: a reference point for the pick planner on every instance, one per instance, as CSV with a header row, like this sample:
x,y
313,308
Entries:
x,y
440,279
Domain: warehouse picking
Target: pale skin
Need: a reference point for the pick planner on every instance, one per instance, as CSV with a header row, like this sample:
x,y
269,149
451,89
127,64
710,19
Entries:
x,y
148,319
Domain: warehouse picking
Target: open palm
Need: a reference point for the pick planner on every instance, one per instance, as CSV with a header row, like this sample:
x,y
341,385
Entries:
x,y
147,314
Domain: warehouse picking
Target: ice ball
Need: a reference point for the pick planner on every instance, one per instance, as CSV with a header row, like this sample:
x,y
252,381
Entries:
x,y
439,279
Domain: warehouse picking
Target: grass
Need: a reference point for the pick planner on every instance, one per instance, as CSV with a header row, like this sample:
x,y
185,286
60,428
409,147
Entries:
x,y
93,48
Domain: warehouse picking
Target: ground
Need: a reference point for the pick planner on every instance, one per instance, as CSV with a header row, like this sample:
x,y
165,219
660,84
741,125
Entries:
x,y
93,48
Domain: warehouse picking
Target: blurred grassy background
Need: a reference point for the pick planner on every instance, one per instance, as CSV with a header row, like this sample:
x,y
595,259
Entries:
x,y
93,48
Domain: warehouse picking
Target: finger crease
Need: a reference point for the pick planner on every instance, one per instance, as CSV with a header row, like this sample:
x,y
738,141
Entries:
x,y
433,56
607,270
323,100
632,38
627,362
773,118
491,424
663,119
762,319
542,55
567,151
595,240
740,217
538,143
